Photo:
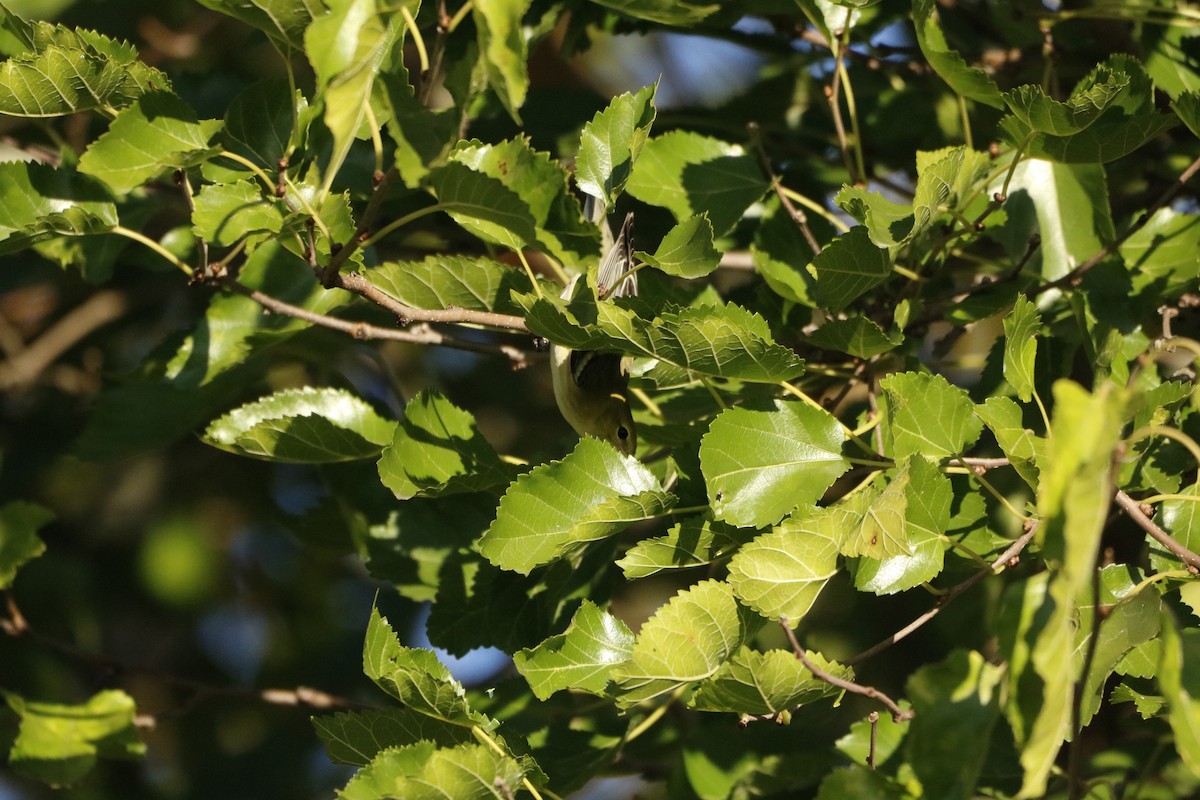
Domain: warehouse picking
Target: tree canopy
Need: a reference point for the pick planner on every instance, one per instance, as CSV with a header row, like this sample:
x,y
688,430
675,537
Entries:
x,y
287,509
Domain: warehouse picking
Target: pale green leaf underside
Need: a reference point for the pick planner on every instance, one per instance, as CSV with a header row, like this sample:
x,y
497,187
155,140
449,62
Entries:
x,y
763,683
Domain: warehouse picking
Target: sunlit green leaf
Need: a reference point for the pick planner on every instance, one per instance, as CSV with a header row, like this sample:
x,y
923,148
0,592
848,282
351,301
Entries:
x,y
848,267
449,281
929,416
415,677
858,336
158,132
1180,517
60,744
38,202
306,425
356,737
966,80
1178,677
19,542
225,212
1040,112
420,772
502,42
780,573
438,450
1003,417
759,683
691,174
592,493
759,465
1163,255
667,12
685,641
580,658
284,21
694,542
611,143
483,205
1021,328
687,250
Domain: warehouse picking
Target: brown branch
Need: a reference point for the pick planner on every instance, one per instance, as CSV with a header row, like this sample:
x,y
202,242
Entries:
x,y
16,626
1006,559
365,331
898,713
1074,277
798,216
382,183
359,285
1135,512
97,311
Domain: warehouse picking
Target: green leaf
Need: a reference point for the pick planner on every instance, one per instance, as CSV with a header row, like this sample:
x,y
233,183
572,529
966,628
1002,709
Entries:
x,y
416,678
541,183
759,683
1178,677
63,71
1073,499
1180,517
60,744
422,135
347,47
687,250
1129,122
1148,705
965,80
1187,108
880,738
928,416
1035,108
284,21
419,772
665,12
226,212
581,658
685,641
858,336
39,202
781,255
1066,205
591,494
691,174
438,450
449,281
502,42
848,267
158,132
356,737
956,703
926,509
234,327
1163,256
760,465
879,530
1129,616
780,573
1003,416
861,783
1021,327
611,143
682,341
694,542
483,205
19,542
308,426
889,223
260,121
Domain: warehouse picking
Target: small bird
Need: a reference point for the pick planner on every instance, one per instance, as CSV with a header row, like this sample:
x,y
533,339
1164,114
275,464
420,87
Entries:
x,y
590,386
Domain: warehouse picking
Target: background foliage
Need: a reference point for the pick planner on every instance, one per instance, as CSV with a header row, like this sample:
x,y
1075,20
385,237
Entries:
x,y
914,508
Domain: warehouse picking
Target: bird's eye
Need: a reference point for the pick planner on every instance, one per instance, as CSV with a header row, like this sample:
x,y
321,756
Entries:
x,y
622,433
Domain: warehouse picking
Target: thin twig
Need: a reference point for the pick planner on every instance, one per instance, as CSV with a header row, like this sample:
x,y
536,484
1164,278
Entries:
x,y
797,214
97,311
1075,276
1134,510
1006,559
898,714
359,285
365,331
16,626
